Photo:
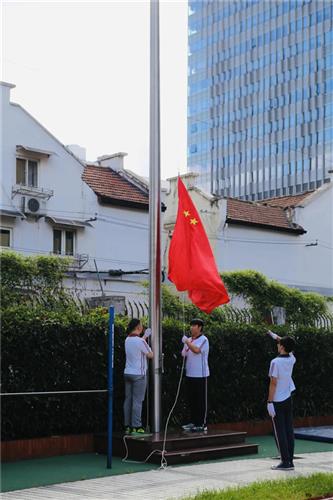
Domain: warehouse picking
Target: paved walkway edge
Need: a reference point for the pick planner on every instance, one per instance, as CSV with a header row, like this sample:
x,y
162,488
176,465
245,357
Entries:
x,y
175,482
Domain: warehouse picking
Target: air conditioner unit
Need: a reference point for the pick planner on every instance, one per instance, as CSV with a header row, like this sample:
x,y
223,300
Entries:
x,y
33,206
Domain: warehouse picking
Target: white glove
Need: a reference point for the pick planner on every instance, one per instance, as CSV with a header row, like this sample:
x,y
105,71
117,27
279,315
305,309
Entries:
x,y
273,335
185,339
147,333
271,410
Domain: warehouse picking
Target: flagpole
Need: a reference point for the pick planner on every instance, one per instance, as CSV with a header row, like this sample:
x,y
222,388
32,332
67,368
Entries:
x,y
154,214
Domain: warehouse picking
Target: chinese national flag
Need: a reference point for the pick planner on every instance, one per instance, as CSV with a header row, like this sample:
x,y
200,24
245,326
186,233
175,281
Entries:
x,y
191,261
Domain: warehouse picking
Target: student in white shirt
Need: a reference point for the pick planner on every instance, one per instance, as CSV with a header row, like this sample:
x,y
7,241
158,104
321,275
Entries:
x,y
196,350
135,374
279,404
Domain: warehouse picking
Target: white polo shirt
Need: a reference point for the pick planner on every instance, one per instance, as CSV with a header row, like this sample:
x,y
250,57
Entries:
x,y
136,360
197,364
282,369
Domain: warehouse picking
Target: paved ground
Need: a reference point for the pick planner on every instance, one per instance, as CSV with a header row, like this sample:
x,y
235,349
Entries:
x,y
175,482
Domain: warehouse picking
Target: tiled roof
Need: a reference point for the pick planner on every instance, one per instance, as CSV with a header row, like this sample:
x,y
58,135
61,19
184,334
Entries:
x,y
286,201
265,216
111,187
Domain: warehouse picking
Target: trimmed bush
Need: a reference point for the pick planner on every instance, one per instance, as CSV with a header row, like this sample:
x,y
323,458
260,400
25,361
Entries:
x,y
34,279
50,351
302,308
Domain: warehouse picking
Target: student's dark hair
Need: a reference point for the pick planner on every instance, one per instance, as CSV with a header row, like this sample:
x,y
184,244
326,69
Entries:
x,y
288,343
132,325
197,321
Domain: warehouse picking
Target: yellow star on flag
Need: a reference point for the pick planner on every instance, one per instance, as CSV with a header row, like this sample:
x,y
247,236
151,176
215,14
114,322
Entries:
x,y
186,213
193,222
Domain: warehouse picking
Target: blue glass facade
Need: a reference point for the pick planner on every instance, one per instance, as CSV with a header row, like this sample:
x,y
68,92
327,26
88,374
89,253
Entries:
x,y
260,96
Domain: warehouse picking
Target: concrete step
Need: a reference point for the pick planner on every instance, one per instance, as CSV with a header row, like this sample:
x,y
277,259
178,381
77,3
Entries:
x,y
204,453
175,440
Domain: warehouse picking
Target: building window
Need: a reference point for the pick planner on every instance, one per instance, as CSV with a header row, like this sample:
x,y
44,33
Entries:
x,y
5,237
26,172
63,241
194,128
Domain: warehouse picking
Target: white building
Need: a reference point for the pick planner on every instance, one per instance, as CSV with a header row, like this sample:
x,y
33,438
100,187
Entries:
x,y
53,202
289,239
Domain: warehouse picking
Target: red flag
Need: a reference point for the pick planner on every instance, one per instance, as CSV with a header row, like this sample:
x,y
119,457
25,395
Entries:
x,y
192,265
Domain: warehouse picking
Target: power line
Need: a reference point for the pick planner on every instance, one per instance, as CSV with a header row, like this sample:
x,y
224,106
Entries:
x,y
219,238
58,211
103,218
295,243
100,259
127,223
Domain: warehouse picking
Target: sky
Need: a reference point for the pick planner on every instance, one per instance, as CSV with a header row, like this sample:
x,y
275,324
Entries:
x,y
82,70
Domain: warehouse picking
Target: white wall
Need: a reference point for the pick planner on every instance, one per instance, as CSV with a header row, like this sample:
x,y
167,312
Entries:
x,y
273,253
119,241
279,255
317,218
61,172
286,257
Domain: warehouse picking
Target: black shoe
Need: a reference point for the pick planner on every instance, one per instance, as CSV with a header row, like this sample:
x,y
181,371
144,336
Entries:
x,y
282,466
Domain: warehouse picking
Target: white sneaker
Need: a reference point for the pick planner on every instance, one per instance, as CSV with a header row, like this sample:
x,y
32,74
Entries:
x,y
282,466
199,428
187,427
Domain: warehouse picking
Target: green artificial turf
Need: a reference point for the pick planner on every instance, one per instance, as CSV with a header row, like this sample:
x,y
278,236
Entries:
x,y
43,471
267,446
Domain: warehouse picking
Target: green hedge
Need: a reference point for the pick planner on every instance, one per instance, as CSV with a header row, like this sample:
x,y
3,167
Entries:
x,y
39,280
49,352
262,294
52,351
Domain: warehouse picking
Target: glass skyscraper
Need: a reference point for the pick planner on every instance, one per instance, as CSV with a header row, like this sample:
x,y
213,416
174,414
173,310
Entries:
x,y
260,96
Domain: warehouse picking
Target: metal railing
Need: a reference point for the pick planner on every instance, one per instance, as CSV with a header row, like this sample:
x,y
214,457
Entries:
x,y
39,192
42,393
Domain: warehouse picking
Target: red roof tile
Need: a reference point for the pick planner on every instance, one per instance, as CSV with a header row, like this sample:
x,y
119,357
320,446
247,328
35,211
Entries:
x,y
111,187
286,201
252,213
